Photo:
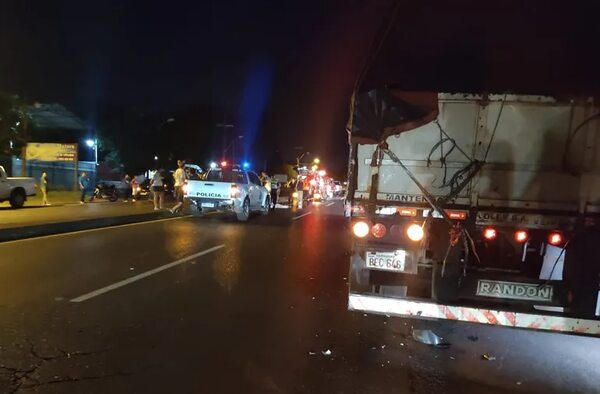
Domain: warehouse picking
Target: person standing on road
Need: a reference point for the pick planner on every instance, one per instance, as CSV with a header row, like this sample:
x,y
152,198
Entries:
x,y
84,186
179,180
300,191
44,188
135,188
274,192
127,187
158,188
266,181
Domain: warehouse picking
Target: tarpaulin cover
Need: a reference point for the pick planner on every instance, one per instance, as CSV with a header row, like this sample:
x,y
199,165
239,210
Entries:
x,y
380,113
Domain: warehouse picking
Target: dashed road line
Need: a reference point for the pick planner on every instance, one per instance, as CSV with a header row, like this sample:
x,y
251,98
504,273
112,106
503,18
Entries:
x,y
301,216
143,275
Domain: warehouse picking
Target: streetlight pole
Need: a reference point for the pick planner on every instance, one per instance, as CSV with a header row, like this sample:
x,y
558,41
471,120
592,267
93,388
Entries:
x,y
225,126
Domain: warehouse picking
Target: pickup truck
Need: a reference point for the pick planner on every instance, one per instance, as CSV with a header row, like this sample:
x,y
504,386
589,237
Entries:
x,y
232,190
15,190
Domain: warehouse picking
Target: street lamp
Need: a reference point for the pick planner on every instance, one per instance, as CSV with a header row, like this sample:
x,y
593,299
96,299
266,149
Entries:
x,y
316,160
298,160
94,145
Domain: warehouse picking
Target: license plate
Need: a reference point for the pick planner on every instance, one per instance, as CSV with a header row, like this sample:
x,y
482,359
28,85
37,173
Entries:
x,y
207,205
387,261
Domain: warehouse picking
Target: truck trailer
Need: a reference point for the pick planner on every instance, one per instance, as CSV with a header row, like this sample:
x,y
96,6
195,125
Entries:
x,y
482,208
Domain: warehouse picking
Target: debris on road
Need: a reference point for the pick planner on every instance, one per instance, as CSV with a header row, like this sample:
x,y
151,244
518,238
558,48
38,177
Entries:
x,y
326,352
311,353
487,357
428,337
473,338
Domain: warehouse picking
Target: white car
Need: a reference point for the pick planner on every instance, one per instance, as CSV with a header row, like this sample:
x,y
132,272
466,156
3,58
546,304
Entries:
x,y
229,190
15,190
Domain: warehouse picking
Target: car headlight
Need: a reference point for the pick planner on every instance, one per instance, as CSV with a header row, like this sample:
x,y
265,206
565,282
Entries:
x,y
295,195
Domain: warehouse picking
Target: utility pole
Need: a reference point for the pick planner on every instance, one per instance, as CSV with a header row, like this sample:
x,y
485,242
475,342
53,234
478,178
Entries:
x,y
225,126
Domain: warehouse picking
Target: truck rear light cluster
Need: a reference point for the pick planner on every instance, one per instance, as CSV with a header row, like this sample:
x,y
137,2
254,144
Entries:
x,y
413,231
555,238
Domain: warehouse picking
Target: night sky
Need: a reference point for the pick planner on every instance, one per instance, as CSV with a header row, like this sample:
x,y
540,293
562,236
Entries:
x,y
282,72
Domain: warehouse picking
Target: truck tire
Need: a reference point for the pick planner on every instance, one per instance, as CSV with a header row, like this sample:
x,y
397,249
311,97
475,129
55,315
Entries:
x,y
244,212
266,208
17,198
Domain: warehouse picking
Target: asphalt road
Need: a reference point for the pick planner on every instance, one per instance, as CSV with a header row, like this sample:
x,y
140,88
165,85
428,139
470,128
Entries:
x,y
208,305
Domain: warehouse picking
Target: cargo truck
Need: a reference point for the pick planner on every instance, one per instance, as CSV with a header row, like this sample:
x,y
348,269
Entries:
x,y
476,207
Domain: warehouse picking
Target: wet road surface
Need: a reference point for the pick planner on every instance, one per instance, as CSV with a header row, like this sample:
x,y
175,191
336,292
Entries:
x,y
190,305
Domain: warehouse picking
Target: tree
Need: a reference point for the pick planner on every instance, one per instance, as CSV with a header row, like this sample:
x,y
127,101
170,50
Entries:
x,y
13,124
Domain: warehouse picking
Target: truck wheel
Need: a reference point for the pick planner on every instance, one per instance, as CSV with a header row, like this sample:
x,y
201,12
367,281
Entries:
x,y
244,213
17,199
266,208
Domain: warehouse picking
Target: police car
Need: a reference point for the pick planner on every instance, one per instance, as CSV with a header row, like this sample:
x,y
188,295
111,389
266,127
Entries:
x,y
228,190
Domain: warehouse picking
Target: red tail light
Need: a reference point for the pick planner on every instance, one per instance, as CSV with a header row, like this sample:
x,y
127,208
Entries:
x,y
521,236
490,233
378,230
555,238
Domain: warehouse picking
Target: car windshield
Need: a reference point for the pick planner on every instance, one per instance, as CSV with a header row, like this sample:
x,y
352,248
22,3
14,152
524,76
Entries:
x,y
226,176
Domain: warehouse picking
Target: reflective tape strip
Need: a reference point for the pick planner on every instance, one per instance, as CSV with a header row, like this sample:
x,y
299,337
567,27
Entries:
x,y
402,307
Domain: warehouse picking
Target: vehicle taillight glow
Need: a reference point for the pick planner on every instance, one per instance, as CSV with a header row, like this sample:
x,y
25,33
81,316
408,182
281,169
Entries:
x,y
407,212
521,236
223,163
415,232
378,230
490,233
555,238
235,191
457,215
360,229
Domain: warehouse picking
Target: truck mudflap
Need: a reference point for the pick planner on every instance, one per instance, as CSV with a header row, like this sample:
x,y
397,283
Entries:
x,y
429,310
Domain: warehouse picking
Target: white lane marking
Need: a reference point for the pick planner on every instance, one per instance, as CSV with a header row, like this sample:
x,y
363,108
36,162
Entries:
x,y
94,229
143,275
301,216
329,204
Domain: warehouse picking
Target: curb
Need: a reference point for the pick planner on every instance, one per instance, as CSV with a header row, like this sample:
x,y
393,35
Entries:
x,y
40,230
